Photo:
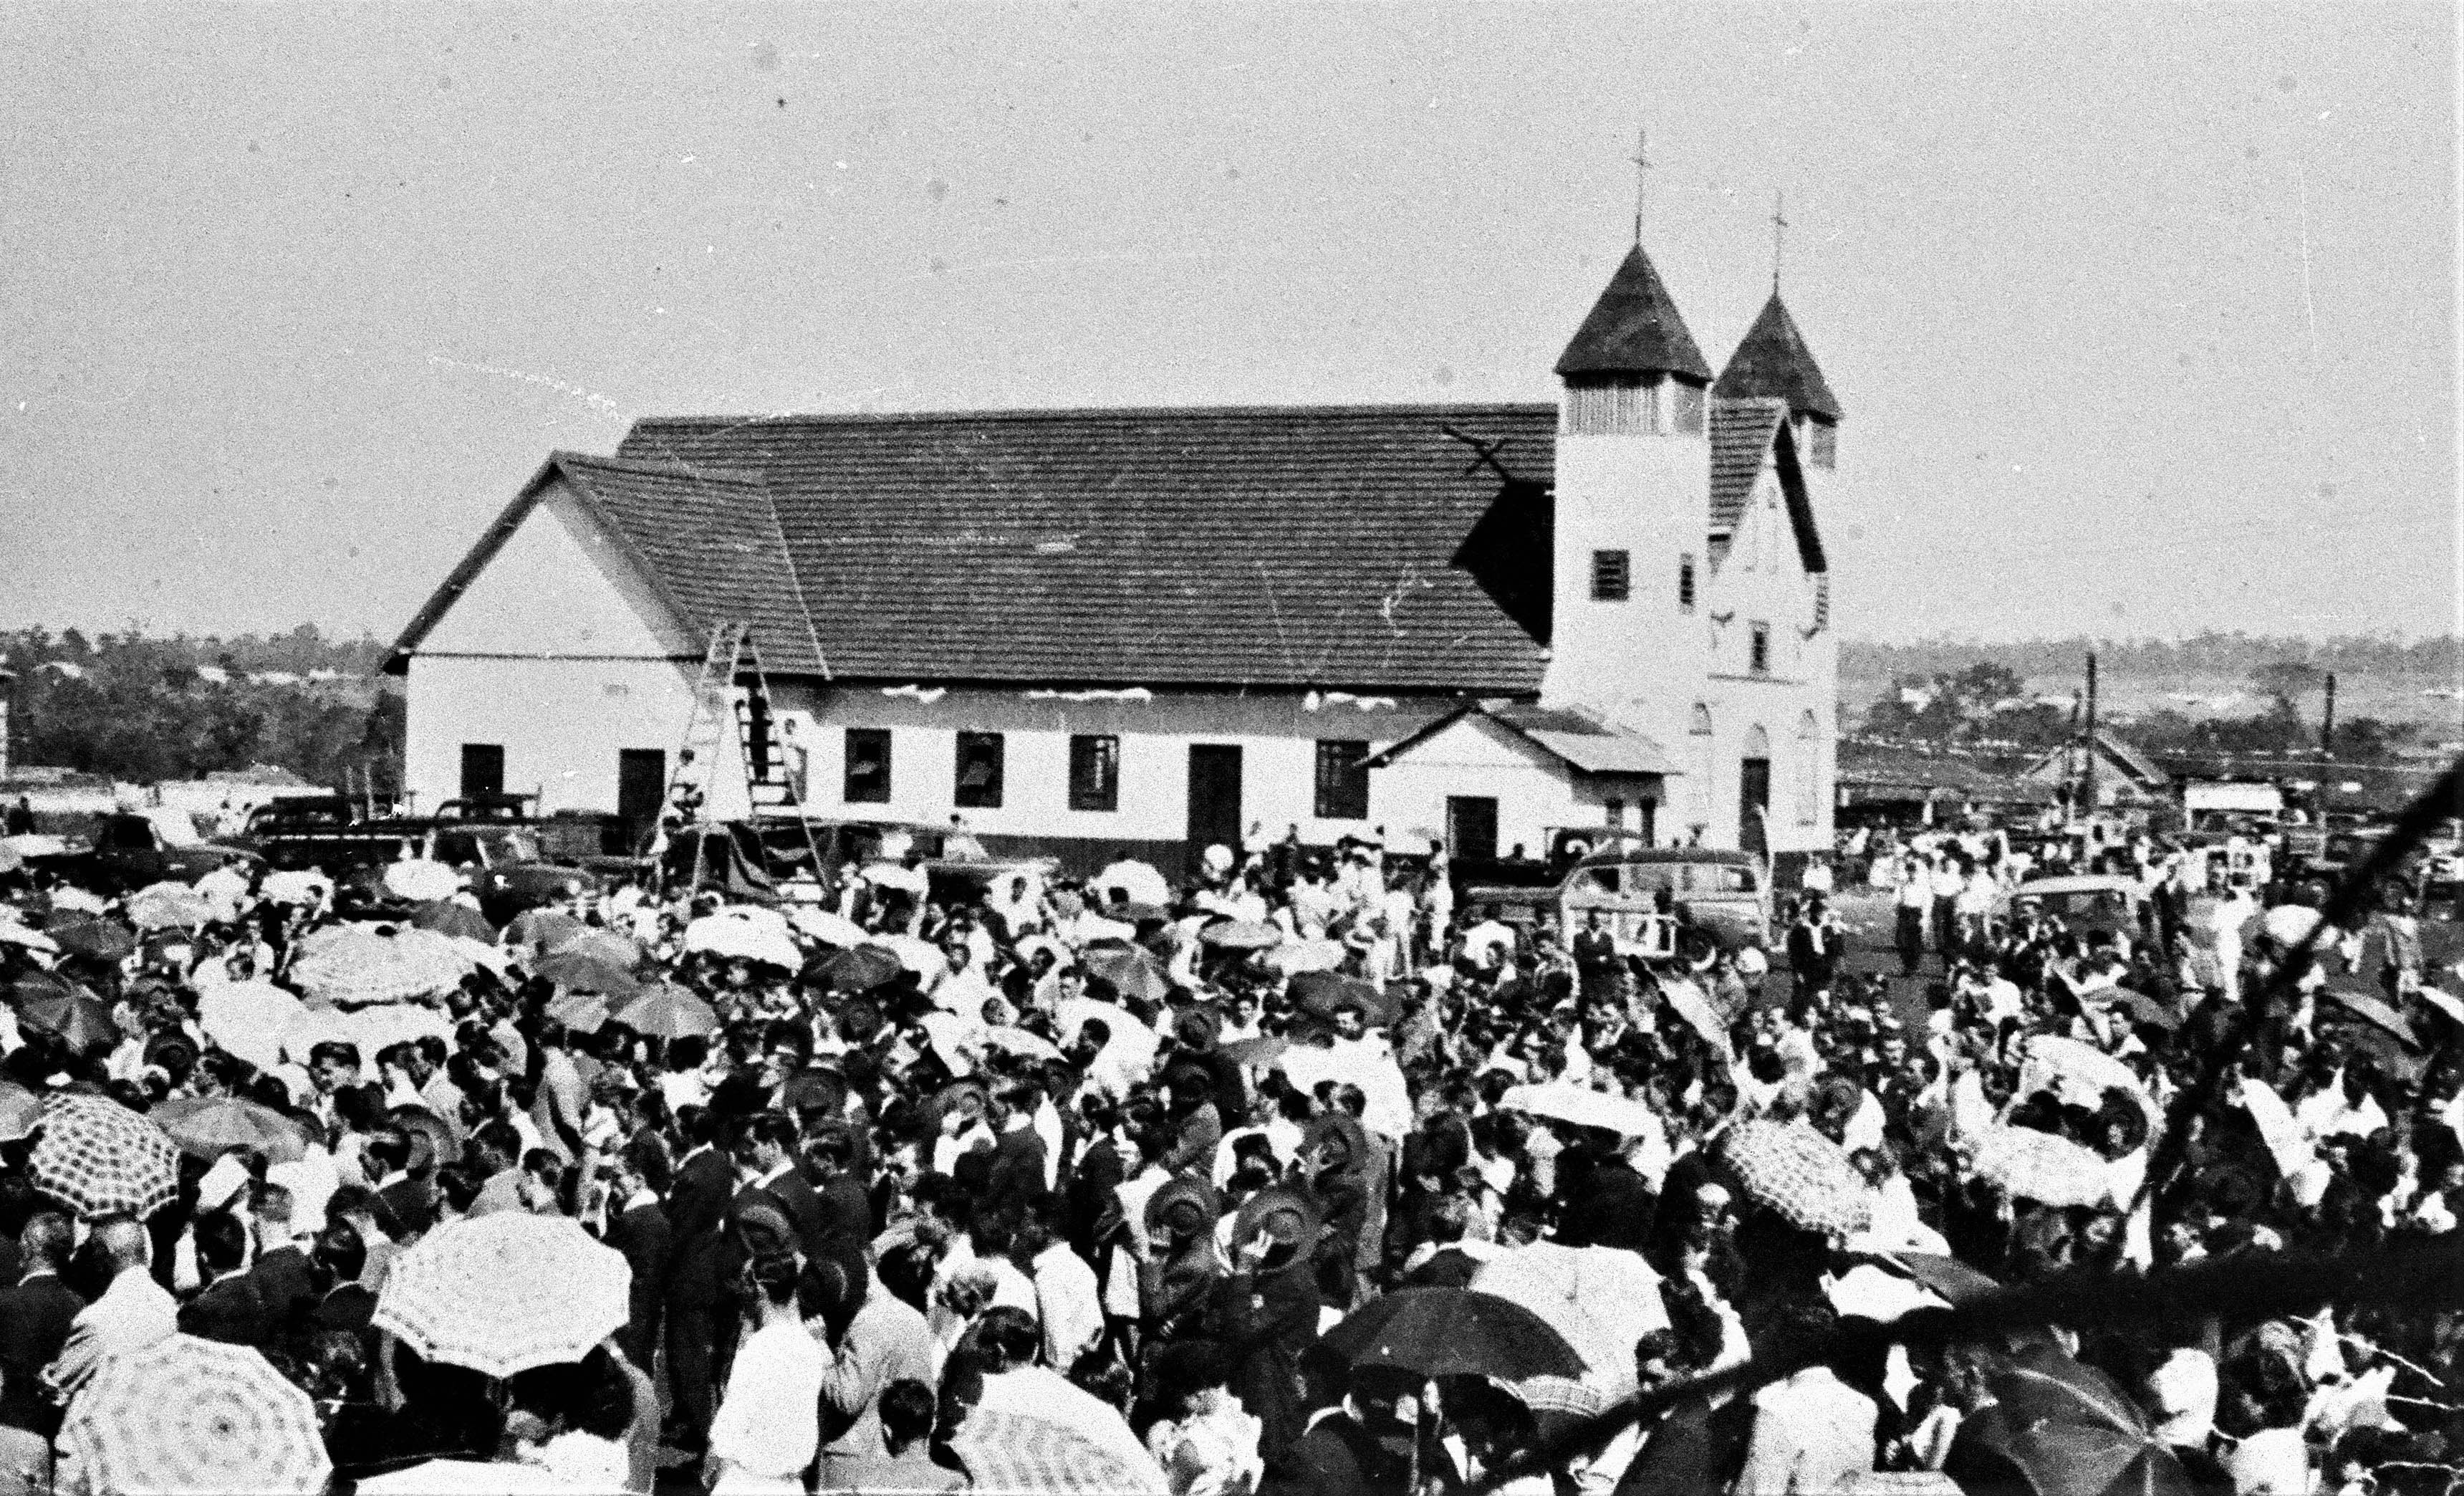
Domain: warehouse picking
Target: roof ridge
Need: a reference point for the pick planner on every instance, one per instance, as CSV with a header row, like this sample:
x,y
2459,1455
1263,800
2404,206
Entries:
x,y
1094,412
738,476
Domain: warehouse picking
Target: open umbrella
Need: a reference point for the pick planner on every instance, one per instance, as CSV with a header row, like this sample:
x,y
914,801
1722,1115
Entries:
x,y
1261,1051
543,930
1954,1281
170,906
912,881
208,1127
1324,993
187,1414
249,1019
829,929
1131,1041
2384,1050
1694,1005
667,1011
580,971
13,932
915,953
1135,880
746,935
21,1112
421,881
1012,1453
304,888
582,1012
2034,1165
446,917
1011,1039
2076,1073
1798,1173
504,1292
1452,1332
858,970
2375,1009
355,965
1581,1107
55,1005
1127,970
443,1140
2147,1010
97,939
471,1477
2067,1430
1305,956
1601,1299
96,1157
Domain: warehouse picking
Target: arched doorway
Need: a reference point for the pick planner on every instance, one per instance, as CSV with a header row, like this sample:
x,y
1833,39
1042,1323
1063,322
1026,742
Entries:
x,y
1753,793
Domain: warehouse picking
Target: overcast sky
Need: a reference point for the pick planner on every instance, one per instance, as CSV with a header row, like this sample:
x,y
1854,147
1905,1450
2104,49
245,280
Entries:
x,y
294,297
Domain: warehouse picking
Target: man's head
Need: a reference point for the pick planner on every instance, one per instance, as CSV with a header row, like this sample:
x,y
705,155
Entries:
x,y
47,1241
222,1242
119,1244
333,1064
341,1251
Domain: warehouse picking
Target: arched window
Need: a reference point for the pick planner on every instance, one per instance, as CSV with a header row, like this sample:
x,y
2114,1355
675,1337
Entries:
x,y
1809,764
1699,767
1757,742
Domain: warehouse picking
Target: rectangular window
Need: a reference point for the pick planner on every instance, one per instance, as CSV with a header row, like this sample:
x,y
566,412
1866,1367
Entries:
x,y
979,772
1094,772
1688,404
1611,576
1342,783
1759,648
483,770
1616,812
1825,444
1684,583
868,767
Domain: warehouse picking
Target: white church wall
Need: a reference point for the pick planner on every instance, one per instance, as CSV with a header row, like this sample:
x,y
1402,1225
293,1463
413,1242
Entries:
x,y
1645,495
1536,794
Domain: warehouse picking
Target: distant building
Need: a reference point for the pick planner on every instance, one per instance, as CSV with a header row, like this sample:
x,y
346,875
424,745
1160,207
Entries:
x,y
2124,775
1143,632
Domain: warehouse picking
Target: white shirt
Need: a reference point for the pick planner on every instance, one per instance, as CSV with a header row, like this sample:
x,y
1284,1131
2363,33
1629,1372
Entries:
x,y
1813,1433
1070,1304
770,1421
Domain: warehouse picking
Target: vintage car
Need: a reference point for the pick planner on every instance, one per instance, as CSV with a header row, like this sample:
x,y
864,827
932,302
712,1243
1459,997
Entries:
x,y
775,855
1625,881
133,849
2082,902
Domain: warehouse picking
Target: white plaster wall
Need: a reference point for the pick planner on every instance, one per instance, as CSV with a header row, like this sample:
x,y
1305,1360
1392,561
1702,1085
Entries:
x,y
558,586
1535,796
1764,579
1645,495
1277,736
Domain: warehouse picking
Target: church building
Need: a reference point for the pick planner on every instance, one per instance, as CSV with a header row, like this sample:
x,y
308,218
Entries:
x,y
1139,632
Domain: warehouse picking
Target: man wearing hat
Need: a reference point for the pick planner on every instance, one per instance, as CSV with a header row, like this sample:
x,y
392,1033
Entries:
x,y
1266,1313
1177,1284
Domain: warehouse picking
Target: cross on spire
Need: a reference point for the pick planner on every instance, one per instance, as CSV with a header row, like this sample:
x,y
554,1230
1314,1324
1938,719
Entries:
x,y
1780,233
1641,159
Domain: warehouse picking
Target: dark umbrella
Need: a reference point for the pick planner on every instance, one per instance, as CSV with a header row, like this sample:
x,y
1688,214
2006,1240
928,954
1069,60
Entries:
x,y
579,971
73,1015
441,1140
1130,972
2067,1430
2376,1010
446,917
2147,1010
1324,993
2384,1050
859,969
1946,1276
1452,1332
1262,1050
98,939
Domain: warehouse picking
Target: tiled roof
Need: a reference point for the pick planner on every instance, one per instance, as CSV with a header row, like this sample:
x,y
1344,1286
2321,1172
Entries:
x,y
1307,546
1633,329
706,541
1773,361
1741,441
711,541
1581,742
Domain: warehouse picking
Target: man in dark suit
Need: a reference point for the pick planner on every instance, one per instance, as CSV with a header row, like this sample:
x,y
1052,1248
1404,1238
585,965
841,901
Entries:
x,y
35,1313
637,1226
700,1297
1606,1203
228,1308
1814,952
407,1194
766,1149
349,1305
285,1282
1014,1181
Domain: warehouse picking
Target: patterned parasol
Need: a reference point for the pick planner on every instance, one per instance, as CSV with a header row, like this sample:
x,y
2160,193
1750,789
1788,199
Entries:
x,y
667,1011
96,1157
170,906
1800,1173
191,1415
504,1292
355,965
2041,1167
1011,1453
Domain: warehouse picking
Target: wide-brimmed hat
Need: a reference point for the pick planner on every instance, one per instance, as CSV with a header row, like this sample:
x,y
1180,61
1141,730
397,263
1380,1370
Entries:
x,y
970,1098
1342,1130
1184,1207
1286,1214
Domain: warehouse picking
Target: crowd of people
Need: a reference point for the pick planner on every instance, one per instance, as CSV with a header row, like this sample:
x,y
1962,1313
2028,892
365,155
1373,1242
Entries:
x,y
1216,1188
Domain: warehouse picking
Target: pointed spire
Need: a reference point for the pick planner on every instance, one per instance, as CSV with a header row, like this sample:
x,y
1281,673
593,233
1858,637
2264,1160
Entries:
x,y
1774,363
1633,329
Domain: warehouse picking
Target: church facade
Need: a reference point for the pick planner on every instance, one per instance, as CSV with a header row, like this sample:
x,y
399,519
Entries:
x,y
1144,631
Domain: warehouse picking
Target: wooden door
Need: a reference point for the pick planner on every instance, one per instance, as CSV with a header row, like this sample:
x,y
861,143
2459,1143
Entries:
x,y
1214,798
1471,827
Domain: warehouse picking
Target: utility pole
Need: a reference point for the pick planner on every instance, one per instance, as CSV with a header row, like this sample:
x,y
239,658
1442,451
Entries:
x,y
2087,780
2327,723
